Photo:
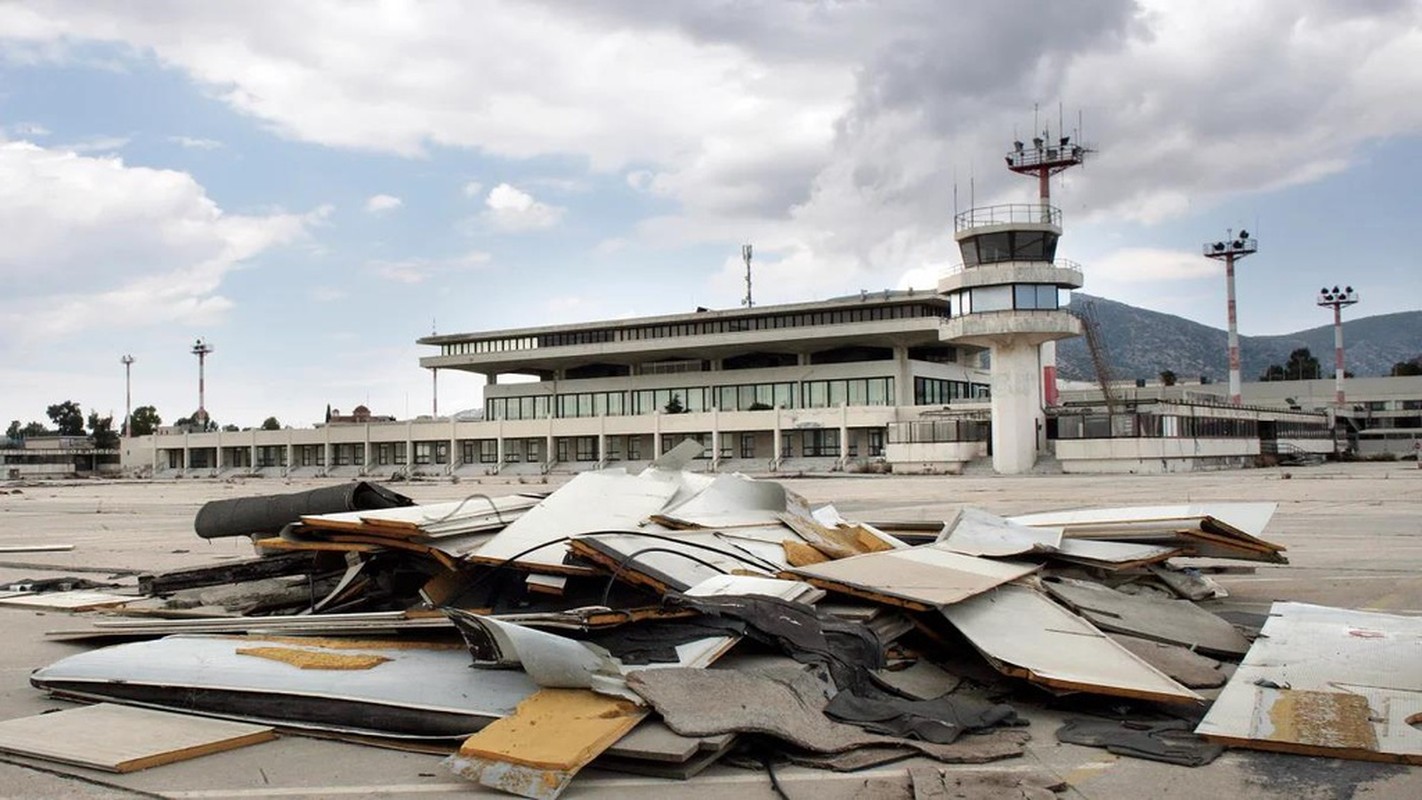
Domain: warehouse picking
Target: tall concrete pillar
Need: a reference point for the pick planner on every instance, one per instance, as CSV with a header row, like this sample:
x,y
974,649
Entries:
x,y
1016,406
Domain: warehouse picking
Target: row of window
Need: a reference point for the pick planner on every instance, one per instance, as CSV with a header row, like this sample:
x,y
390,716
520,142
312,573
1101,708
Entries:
x,y
1130,426
1009,297
687,399
867,313
1015,245
939,392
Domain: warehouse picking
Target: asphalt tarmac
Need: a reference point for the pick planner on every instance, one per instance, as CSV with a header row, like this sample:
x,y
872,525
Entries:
x,y
1353,532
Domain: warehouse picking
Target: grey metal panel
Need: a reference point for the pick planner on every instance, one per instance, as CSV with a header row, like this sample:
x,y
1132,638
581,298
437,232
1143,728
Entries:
x,y
435,680
1022,628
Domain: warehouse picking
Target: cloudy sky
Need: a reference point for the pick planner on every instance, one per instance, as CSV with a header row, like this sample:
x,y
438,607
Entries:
x,y
312,186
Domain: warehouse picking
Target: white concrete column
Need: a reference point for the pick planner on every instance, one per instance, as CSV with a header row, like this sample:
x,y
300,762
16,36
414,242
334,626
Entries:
x,y
715,436
903,377
844,433
187,452
290,453
409,464
776,442
453,446
367,457
656,434
252,453
1016,406
499,446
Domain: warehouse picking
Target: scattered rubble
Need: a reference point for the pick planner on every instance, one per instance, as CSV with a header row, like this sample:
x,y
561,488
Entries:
x,y
660,621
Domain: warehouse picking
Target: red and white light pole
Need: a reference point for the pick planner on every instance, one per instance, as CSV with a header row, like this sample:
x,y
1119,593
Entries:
x,y
1228,251
1337,298
127,361
201,349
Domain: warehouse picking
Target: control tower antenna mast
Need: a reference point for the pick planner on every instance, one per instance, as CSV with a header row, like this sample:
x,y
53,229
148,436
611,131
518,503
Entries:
x,y
746,256
1044,159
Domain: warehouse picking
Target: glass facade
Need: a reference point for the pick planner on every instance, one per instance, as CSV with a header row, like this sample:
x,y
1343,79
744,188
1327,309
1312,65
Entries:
x,y
936,392
1008,297
1016,245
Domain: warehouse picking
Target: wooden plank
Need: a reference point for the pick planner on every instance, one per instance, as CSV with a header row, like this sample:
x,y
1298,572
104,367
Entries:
x,y
548,739
124,739
923,575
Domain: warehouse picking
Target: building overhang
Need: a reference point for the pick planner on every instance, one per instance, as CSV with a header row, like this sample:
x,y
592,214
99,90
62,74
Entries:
x,y
1021,327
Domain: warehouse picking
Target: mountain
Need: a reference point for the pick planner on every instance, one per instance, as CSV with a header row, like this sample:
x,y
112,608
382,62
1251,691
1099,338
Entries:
x,y
1142,343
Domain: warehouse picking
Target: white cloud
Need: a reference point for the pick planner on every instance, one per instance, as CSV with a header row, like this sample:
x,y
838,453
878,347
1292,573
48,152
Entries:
x,y
91,242
95,144
195,143
381,203
26,129
418,270
511,209
473,189
835,132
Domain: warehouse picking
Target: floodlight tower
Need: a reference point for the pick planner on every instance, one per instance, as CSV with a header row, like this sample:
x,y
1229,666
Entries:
x,y
200,349
1006,297
1337,298
1232,248
746,257
127,361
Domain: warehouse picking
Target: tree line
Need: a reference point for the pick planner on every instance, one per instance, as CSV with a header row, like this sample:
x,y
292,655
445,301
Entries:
x,y
67,419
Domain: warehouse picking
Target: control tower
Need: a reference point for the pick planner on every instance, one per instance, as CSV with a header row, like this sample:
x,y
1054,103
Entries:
x,y
1006,297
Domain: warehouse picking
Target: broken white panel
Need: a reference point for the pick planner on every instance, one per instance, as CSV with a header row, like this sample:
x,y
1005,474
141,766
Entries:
x,y
923,575
1329,682
557,662
1033,637
1247,518
731,501
795,591
1112,554
77,600
975,532
682,559
678,458
608,500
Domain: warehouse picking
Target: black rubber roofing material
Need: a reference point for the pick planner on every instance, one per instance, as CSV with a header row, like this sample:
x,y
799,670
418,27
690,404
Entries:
x,y
941,720
268,514
1173,741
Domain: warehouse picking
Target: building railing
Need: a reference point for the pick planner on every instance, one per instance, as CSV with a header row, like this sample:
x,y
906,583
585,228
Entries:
x,y
1008,214
933,431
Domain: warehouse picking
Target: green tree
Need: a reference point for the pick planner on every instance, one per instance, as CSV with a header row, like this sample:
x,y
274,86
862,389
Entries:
x,y
144,421
674,405
13,432
1301,366
271,424
102,431
67,417
34,429
1167,377
1404,368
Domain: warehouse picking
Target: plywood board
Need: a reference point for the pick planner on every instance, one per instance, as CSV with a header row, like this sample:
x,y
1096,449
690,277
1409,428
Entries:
x,y
1031,637
122,739
538,750
79,600
926,577
1156,618
1328,682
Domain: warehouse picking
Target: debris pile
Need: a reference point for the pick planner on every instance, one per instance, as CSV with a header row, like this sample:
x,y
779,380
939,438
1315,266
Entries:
x,y
658,622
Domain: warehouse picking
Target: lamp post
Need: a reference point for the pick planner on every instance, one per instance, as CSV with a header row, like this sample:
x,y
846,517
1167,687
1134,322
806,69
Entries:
x,y
1337,298
1228,251
200,349
127,361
